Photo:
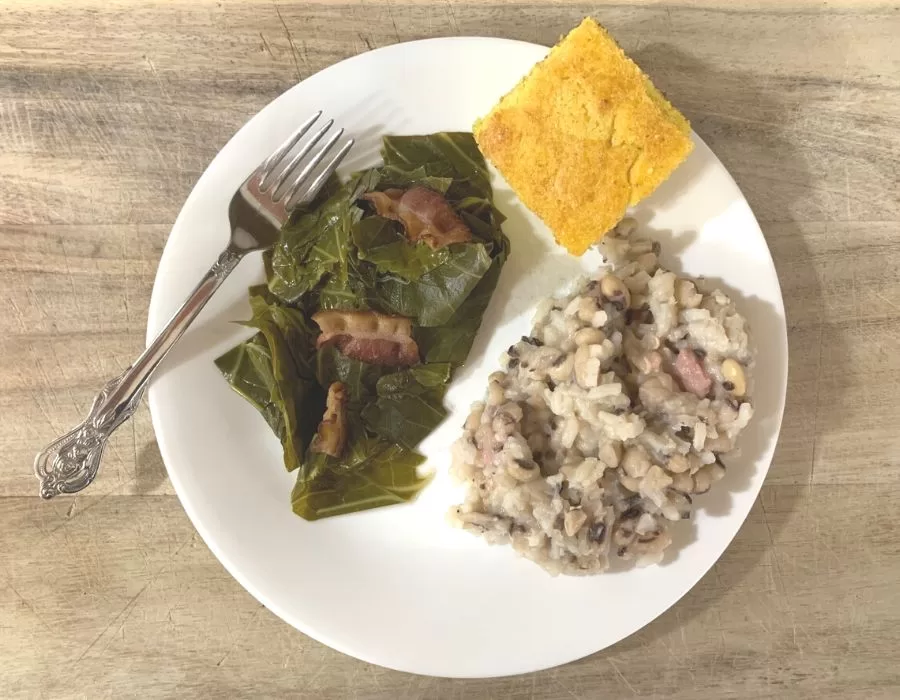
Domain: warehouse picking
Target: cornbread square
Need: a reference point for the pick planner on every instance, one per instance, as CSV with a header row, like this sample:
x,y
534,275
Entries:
x,y
584,136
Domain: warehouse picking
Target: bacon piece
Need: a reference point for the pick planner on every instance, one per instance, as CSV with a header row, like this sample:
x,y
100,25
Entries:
x,y
691,373
369,336
331,436
425,215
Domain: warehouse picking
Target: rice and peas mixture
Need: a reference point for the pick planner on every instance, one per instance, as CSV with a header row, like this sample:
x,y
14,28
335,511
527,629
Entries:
x,y
609,419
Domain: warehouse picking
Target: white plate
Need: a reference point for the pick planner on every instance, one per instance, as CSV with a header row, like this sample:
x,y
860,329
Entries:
x,y
397,586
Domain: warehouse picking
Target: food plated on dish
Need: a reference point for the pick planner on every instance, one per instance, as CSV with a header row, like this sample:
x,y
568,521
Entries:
x,y
342,579
584,136
606,420
609,418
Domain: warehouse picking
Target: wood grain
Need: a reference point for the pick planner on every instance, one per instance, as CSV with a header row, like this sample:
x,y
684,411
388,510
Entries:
x,y
109,112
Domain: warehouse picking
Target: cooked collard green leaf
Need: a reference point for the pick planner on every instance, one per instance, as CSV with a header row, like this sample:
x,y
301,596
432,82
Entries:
x,y
410,404
248,368
453,155
436,295
382,242
338,254
315,245
375,473
290,377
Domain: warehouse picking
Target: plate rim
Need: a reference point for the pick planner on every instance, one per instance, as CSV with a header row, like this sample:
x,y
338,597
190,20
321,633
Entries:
x,y
206,533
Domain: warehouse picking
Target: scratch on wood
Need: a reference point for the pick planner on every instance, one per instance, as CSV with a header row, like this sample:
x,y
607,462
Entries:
x,y
847,190
266,47
127,609
622,677
156,75
452,16
886,300
565,687
28,605
253,622
290,40
775,563
390,8
815,433
75,298
132,604
45,413
30,293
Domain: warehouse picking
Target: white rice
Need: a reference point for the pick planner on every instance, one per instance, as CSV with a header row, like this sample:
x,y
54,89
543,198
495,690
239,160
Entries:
x,y
588,443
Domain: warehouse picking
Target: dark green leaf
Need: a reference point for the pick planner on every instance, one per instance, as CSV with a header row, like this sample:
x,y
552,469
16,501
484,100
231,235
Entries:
x,y
410,404
482,218
415,379
290,341
381,242
452,155
452,341
362,182
435,296
314,245
359,377
374,474
393,176
248,368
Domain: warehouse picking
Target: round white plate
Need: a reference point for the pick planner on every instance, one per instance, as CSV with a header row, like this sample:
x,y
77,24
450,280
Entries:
x,y
398,586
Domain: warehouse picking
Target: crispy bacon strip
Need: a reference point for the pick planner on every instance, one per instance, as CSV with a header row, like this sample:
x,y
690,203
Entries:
x,y
425,215
369,336
331,436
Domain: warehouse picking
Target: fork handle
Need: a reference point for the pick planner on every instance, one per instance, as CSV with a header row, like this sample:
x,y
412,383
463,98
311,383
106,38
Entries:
x,y
70,463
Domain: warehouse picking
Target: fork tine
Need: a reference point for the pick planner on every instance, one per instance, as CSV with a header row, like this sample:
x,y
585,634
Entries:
x,y
301,154
284,148
309,167
310,192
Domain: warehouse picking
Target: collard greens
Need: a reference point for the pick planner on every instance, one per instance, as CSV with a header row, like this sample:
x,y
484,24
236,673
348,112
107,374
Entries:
x,y
338,254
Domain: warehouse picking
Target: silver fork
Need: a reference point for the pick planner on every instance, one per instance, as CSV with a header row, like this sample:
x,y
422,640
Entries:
x,y
257,211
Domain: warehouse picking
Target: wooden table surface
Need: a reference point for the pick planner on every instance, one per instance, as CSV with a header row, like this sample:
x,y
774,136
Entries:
x,y
110,111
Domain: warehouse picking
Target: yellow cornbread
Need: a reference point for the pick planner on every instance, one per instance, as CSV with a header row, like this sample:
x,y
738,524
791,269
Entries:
x,y
584,136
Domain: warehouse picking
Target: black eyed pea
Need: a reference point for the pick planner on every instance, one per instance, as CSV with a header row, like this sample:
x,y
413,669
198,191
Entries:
x,y
678,464
702,481
523,469
495,394
561,368
734,374
589,336
683,482
615,290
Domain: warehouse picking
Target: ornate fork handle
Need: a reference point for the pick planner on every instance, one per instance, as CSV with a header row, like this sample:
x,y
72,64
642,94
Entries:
x,y
70,463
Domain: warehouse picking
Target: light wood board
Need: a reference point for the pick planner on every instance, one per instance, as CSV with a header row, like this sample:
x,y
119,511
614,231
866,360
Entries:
x,y
110,111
